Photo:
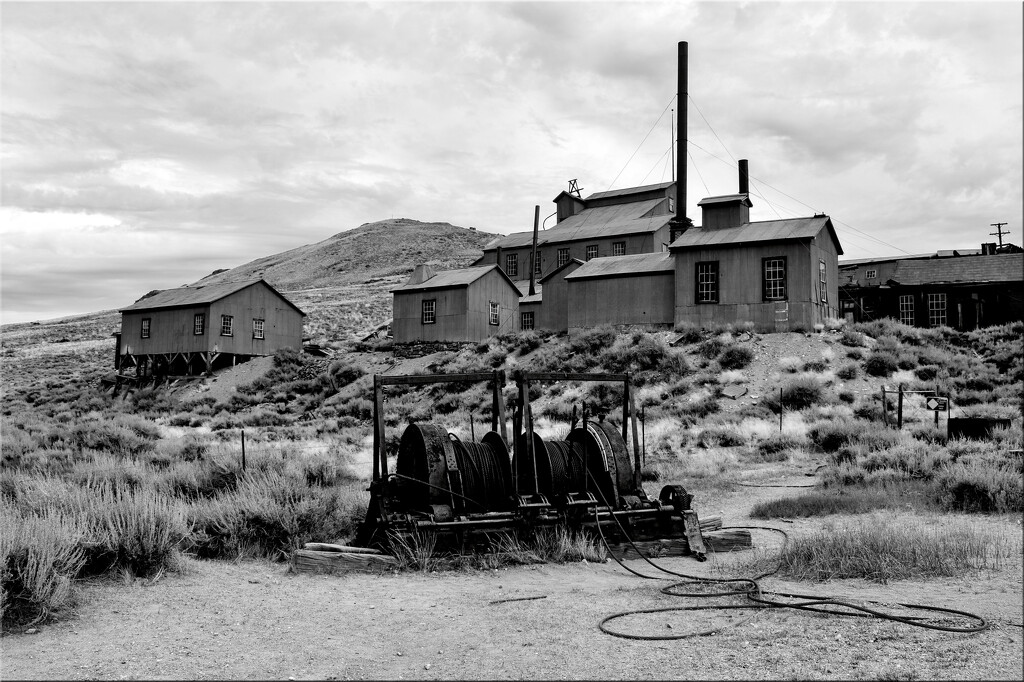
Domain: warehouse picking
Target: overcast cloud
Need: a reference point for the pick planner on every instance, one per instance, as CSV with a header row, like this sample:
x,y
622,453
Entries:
x,y
145,145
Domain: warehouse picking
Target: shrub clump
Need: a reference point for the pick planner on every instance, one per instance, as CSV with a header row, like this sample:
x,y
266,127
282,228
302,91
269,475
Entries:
x,y
881,364
735,357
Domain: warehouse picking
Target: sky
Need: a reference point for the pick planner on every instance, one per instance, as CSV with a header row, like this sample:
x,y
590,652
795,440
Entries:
x,y
144,145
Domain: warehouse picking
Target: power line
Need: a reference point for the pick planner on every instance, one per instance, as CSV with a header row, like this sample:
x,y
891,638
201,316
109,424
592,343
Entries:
x,y
643,140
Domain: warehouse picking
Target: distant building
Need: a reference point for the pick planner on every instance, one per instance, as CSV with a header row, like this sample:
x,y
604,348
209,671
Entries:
x,y
205,327
963,289
615,223
469,304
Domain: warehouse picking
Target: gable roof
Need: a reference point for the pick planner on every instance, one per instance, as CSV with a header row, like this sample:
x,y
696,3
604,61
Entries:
x,y
592,223
761,231
563,266
199,294
962,270
629,190
725,199
524,292
625,266
448,279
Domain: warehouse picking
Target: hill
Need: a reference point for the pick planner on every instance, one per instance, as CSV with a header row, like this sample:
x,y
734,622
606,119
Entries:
x,y
342,283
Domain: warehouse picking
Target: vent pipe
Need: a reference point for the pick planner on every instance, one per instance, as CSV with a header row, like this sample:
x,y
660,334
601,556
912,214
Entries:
x,y
744,180
681,95
533,254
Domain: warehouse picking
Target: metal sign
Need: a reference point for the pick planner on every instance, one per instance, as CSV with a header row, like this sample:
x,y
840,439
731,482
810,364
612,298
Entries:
x,y
938,404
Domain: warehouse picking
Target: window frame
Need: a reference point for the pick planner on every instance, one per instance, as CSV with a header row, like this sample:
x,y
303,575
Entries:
x,y
933,310
512,264
522,320
536,263
146,328
871,273
563,257
227,325
906,308
258,330
712,266
823,281
767,283
618,248
592,248
199,324
493,313
428,311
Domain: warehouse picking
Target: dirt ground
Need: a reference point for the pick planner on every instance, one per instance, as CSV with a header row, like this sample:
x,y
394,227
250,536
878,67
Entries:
x,y
254,619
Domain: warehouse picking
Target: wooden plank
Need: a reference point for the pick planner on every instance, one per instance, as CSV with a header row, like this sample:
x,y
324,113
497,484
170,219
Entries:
x,y
728,540
573,376
329,547
310,561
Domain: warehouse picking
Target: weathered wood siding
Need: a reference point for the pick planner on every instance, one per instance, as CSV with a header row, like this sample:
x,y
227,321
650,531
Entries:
x,y
491,287
554,312
171,329
462,312
740,295
449,309
633,300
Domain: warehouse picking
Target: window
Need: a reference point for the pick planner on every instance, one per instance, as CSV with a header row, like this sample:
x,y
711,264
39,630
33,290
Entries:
x,y
707,282
871,274
526,320
936,310
493,317
592,251
674,233
671,205
774,282
536,264
512,264
226,322
822,282
428,316
618,248
907,309
199,324
145,327
563,257
257,329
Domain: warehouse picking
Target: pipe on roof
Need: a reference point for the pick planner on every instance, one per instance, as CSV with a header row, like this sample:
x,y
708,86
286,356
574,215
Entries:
x,y
744,177
681,95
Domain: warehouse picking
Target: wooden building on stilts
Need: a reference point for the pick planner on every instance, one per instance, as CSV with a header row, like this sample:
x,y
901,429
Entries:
x,y
201,328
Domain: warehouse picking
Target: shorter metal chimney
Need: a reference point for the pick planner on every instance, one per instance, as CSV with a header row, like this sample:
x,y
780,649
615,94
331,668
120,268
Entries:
x,y
744,178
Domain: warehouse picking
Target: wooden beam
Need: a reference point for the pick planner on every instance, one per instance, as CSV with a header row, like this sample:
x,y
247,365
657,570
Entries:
x,y
418,379
574,376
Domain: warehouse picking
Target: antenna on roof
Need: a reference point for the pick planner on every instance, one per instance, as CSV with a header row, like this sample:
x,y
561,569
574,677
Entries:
x,y
574,188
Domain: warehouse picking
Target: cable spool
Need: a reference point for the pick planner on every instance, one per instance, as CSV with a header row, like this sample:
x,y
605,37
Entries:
x,y
527,482
486,474
426,454
607,458
560,468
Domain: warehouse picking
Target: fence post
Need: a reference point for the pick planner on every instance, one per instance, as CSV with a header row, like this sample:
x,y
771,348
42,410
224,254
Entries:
x,y
885,412
243,449
781,410
899,408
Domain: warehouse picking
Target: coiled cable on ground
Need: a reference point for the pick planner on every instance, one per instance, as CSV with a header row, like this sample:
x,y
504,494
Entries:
x,y
755,594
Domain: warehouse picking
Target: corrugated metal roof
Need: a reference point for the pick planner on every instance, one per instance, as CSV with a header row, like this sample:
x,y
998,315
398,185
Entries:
x,y
563,266
853,262
724,199
524,292
592,223
961,270
613,266
197,294
629,190
454,278
762,231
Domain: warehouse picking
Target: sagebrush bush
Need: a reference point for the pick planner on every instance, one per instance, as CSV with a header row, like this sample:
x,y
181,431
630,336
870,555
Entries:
x,y
40,556
735,357
848,371
881,364
796,394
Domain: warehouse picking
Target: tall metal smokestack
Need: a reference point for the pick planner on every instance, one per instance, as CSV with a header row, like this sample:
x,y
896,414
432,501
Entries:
x,y
744,183
681,95
533,257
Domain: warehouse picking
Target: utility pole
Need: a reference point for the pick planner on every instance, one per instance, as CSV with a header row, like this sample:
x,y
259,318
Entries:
x,y
999,232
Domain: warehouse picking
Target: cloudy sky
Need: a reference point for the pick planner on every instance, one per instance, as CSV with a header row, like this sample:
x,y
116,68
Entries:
x,y
146,144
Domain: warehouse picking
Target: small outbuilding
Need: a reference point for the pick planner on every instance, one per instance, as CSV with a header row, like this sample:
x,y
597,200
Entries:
x,y
469,304
633,290
203,327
